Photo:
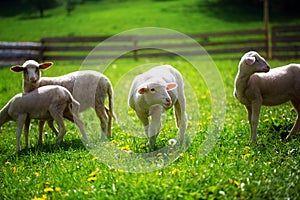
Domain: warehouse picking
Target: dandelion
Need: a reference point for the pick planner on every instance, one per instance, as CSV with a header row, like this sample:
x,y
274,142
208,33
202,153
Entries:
x,y
36,173
163,139
181,155
93,174
247,147
246,156
15,170
236,183
121,170
203,97
57,189
175,171
172,142
48,190
65,195
7,163
266,120
209,117
44,197
94,158
114,141
127,148
86,192
93,178
143,146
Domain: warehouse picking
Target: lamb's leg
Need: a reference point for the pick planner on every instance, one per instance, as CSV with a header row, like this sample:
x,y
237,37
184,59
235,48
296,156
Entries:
x,y
101,113
181,118
296,126
20,122
26,131
254,121
62,129
77,120
41,128
145,121
51,126
155,125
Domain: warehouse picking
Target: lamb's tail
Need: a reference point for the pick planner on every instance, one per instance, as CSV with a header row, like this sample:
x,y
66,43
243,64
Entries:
x,y
110,109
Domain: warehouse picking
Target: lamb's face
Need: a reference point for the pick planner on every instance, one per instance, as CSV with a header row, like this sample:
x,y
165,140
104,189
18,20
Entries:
x,y
252,62
155,93
31,70
31,73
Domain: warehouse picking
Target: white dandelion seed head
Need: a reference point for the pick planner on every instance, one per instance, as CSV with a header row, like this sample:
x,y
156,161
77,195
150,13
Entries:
x,y
172,142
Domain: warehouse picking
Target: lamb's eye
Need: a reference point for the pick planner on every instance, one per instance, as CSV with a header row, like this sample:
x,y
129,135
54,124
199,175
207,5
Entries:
x,y
36,70
152,89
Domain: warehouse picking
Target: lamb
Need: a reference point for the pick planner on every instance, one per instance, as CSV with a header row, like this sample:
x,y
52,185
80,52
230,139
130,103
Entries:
x,y
45,103
254,89
154,92
88,87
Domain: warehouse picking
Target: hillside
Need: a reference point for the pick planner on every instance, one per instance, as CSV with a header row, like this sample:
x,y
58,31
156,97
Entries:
x,y
111,17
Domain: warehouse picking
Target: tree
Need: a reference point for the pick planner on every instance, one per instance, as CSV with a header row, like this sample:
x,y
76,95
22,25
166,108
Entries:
x,y
40,5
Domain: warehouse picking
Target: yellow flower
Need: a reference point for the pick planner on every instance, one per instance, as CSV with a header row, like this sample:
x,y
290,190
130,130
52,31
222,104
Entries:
x,y
48,189
114,141
143,146
15,170
36,173
86,192
266,120
44,197
65,195
94,173
92,179
94,159
175,171
246,156
163,139
181,155
57,189
127,148
121,170
7,163
210,117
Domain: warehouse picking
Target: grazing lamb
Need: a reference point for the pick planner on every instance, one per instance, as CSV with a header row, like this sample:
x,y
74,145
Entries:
x,y
152,93
89,88
277,86
45,103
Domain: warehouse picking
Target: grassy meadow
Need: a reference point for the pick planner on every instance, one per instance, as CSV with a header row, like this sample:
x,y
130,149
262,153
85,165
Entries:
x,y
232,168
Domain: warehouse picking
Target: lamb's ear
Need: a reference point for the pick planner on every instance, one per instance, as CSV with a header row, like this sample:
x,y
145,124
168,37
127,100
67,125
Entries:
x,y
171,86
250,60
17,68
142,89
45,65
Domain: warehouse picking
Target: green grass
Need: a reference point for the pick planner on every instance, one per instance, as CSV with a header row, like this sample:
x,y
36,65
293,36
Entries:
x,y
112,17
233,169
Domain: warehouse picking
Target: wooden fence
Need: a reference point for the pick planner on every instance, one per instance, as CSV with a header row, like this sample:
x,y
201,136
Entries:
x,y
286,42
220,45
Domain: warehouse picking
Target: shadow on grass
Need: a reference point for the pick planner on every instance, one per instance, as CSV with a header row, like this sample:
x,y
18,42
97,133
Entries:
x,y
50,148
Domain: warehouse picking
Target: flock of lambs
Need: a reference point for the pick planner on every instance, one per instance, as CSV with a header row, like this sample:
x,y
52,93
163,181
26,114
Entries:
x,y
151,93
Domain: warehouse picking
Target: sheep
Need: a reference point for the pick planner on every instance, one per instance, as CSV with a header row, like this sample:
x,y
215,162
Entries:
x,y
45,103
88,87
254,89
154,92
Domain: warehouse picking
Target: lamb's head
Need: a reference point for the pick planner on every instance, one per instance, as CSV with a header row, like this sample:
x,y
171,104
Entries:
x,y
155,93
31,70
252,62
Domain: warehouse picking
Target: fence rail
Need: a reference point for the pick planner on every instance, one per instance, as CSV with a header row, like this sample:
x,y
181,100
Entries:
x,y
286,42
228,45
